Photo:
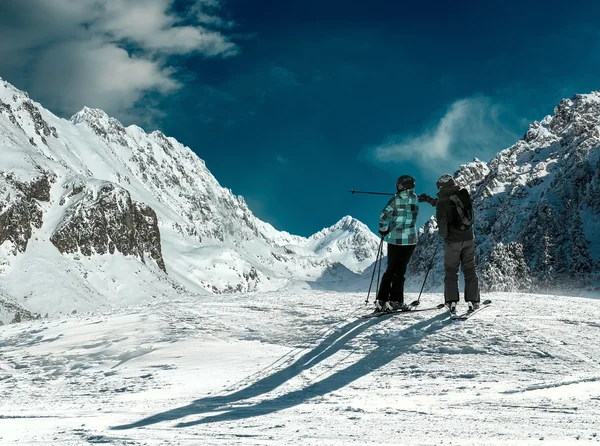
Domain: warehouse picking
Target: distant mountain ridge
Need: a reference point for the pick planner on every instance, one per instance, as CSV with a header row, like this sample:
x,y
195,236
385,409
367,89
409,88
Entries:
x,y
93,213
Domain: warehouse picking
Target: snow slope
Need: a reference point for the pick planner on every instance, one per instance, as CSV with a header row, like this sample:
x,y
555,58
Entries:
x,y
302,368
93,214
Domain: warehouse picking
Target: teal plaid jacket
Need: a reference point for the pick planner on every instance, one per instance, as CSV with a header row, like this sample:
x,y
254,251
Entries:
x,y
400,217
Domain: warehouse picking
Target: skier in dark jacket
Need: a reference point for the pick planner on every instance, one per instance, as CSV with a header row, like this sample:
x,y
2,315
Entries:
x,y
397,226
459,245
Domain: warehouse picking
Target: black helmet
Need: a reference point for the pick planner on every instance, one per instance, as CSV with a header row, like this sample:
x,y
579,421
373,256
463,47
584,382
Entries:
x,y
445,180
405,182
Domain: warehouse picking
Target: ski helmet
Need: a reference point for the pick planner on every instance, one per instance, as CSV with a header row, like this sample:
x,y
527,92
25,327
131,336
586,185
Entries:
x,y
405,182
445,180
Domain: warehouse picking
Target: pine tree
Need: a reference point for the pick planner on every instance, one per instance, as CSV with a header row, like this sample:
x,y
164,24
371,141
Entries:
x,y
545,241
506,269
581,265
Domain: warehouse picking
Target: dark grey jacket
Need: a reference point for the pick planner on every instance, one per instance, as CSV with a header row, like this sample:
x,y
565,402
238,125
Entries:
x,y
444,215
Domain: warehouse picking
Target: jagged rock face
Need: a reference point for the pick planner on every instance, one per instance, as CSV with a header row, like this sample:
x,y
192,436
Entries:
x,y
105,220
537,205
20,211
42,129
21,110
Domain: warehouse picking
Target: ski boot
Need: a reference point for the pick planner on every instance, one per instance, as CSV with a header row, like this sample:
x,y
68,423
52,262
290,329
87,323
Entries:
x,y
473,306
451,306
382,306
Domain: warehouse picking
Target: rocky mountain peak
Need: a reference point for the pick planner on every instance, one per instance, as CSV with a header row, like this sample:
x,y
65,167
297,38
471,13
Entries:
x,y
574,118
87,114
346,224
536,205
470,175
349,223
102,124
347,238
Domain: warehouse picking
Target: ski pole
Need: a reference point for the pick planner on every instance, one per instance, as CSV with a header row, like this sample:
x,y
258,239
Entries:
x,y
379,270
371,193
374,193
379,254
418,301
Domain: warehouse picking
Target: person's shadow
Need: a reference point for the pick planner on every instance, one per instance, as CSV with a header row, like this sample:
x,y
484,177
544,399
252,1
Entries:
x,y
384,353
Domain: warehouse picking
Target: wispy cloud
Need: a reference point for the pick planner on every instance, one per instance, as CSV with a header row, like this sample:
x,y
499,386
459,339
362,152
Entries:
x,y
150,25
105,53
471,127
281,160
207,13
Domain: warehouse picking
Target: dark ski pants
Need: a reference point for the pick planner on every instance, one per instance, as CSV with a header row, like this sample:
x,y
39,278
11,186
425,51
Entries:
x,y
392,282
460,254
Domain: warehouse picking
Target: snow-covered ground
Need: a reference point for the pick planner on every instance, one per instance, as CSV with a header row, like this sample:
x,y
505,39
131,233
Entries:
x,y
303,368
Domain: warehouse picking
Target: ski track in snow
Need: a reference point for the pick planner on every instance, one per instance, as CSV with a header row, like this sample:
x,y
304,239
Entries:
x,y
303,368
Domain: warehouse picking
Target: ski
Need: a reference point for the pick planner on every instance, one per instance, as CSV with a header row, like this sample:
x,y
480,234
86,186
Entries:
x,y
392,313
468,314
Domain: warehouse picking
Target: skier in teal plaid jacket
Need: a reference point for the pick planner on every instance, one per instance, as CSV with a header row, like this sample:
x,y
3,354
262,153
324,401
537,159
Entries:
x,y
397,226
398,219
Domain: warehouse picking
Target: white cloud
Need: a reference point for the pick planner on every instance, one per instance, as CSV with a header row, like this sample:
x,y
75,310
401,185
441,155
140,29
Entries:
x,y
471,127
147,23
96,73
103,53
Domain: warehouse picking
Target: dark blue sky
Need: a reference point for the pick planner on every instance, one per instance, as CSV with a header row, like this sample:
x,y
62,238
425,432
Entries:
x,y
298,102
288,123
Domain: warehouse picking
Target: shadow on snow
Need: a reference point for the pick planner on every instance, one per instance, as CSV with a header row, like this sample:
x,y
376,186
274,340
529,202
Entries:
x,y
384,353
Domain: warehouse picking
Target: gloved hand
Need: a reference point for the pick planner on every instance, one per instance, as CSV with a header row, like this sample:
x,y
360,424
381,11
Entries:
x,y
384,233
423,197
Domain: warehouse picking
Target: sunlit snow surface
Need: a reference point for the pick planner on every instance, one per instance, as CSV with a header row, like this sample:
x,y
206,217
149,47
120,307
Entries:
x,y
303,368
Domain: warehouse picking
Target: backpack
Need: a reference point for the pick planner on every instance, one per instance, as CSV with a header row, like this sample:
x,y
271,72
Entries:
x,y
462,210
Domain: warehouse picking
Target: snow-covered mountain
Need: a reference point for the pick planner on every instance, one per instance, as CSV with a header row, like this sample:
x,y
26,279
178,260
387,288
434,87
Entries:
x,y
537,207
348,242
93,213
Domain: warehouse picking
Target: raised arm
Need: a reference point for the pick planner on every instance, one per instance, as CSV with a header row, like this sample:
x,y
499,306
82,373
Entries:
x,y
428,199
